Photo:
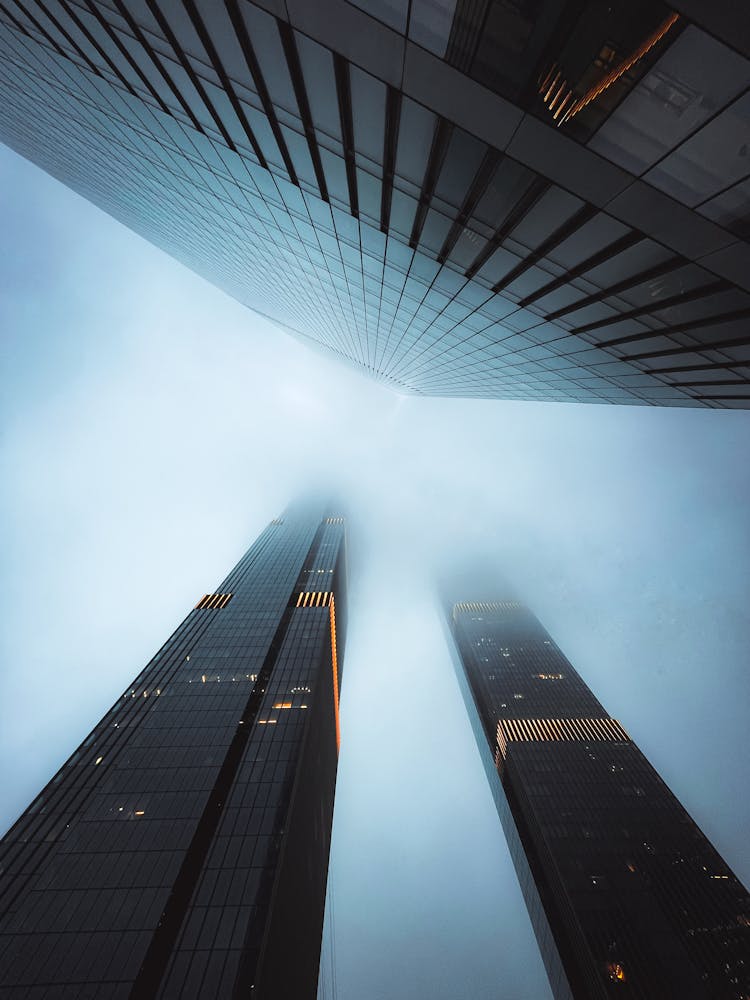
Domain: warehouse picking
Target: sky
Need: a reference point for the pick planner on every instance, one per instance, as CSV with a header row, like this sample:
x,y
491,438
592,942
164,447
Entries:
x,y
151,427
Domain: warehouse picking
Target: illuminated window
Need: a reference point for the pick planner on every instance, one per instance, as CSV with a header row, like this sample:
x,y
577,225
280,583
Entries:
x,y
213,602
616,972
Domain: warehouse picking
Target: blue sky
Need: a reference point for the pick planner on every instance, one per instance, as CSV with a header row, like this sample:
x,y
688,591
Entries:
x,y
152,426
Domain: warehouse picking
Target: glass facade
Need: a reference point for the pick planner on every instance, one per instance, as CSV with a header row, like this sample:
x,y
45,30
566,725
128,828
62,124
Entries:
x,y
182,851
626,895
529,200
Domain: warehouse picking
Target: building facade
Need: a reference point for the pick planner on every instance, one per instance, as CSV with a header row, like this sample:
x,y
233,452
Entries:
x,y
529,200
626,895
182,851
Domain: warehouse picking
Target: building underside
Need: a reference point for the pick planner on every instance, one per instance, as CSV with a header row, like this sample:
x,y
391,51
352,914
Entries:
x,y
472,198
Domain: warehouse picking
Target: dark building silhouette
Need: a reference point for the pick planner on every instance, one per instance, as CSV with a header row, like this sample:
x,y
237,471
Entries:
x,y
528,200
182,851
626,895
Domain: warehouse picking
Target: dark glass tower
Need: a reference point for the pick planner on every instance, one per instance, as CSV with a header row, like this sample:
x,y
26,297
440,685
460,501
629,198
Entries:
x,y
182,851
626,895
536,199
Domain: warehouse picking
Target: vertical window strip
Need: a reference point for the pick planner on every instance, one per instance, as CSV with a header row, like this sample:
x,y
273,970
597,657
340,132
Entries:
x,y
702,292
666,267
97,48
192,75
440,141
298,83
66,35
390,143
523,206
344,91
218,66
115,39
243,38
160,67
24,31
688,327
601,257
581,217
482,180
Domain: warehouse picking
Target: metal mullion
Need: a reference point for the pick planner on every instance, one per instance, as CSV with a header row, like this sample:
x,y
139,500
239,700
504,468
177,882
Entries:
x,y
700,383
719,345
300,92
538,187
390,142
24,31
490,162
122,49
343,90
218,66
666,267
157,61
440,139
193,76
702,292
581,217
95,45
71,41
695,324
600,257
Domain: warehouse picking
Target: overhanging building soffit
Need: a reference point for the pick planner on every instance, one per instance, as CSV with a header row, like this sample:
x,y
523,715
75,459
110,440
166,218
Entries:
x,y
432,82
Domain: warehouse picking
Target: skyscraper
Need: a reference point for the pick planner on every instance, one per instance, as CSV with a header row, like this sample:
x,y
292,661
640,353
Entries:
x,y
182,850
626,895
521,200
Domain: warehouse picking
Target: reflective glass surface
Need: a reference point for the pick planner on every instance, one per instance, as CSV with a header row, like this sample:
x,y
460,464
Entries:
x,y
372,194
626,895
184,845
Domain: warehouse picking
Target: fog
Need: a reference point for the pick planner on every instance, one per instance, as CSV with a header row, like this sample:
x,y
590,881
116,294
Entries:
x,y
152,427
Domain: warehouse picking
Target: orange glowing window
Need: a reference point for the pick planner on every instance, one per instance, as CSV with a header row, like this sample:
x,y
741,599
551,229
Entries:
x,y
616,972
283,704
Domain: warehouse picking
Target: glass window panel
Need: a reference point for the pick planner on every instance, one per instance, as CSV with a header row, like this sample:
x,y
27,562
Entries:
x,y
459,167
300,154
731,209
598,233
219,27
694,78
713,159
431,22
182,27
369,191
368,99
403,208
553,209
504,191
665,286
468,246
390,12
266,42
320,84
335,174
414,141
637,258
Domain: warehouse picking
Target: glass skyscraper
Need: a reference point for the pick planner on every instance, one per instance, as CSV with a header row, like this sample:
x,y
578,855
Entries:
x,y
182,851
529,200
626,895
